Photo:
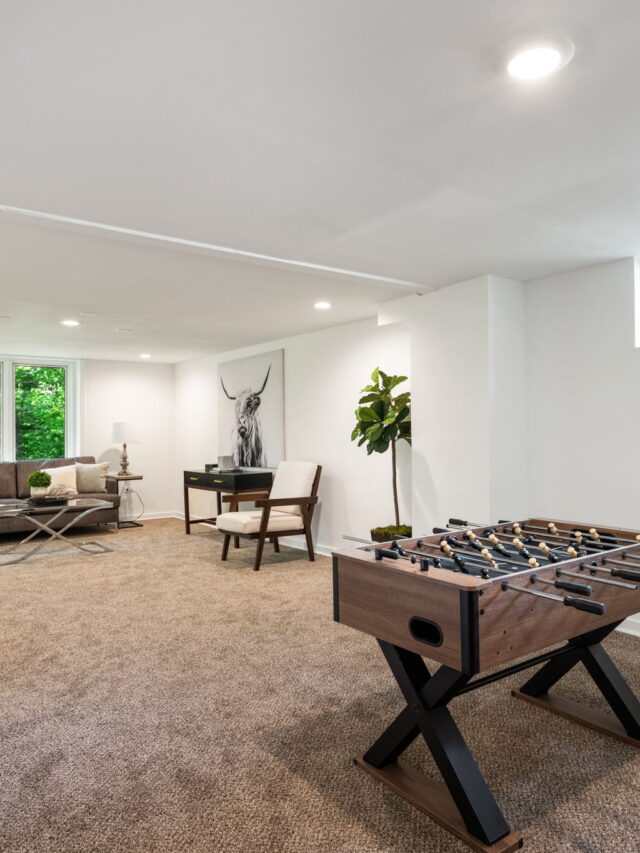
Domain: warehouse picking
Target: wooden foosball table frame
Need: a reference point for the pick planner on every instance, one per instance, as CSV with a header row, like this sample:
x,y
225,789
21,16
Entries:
x,y
469,624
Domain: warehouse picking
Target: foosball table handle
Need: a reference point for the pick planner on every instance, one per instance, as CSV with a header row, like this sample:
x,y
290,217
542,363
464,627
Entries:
x,y
386,552
584,604
578,588
627,574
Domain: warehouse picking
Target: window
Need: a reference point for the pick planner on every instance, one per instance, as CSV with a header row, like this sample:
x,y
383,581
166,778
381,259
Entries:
x,y
38,403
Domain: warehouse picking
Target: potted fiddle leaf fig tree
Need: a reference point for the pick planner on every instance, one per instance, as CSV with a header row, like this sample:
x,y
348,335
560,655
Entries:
x,y
382,420
39,481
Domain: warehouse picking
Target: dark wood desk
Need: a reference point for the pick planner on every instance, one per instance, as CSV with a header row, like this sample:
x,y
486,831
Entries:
x,y
254,481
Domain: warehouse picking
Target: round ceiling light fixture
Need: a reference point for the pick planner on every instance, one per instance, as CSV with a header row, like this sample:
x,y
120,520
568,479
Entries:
x,y
322,306
537,58
145,355
70,323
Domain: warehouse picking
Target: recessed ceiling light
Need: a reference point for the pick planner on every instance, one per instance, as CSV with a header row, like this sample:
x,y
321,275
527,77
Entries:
x,y
70,322
538,58
145,355
322,306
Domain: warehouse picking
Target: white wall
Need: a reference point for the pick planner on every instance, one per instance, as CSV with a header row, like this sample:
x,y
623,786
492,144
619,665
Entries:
x,y
144,395
468,359
509,418
451,441
584,376
324,372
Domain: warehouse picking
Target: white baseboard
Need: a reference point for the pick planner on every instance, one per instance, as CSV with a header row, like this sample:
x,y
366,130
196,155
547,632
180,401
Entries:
x,y
147,516
631,625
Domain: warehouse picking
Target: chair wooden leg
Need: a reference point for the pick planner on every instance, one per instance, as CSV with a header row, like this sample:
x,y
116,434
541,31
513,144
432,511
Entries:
x,y
276,544
233,507
258,559
307,533
225,546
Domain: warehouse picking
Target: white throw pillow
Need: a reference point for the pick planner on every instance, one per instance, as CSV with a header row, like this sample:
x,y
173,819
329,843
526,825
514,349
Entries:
x,y
91,478
63,480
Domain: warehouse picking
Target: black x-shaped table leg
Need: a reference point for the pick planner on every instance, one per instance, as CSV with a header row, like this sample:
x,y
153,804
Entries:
x,y
586,649
426,713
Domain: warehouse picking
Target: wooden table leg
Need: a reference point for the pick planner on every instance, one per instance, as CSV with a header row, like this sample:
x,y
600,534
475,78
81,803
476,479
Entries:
x,y
187,526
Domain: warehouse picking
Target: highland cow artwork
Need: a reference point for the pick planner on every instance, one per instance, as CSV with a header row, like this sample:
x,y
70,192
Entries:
x,y
251,410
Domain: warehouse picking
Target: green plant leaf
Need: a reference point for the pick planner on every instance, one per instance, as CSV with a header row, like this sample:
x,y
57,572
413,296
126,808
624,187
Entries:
x,y
375,375
379,408
397,380
368,398
367,414
374,432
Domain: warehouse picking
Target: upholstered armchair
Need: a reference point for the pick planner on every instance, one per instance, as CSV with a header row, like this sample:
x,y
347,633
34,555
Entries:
x,y
287,511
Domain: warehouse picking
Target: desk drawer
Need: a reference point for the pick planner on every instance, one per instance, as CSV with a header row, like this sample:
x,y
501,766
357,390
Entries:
x,y
231,482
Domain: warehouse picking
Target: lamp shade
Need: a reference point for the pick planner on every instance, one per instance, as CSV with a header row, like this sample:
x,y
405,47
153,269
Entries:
x,y
123,432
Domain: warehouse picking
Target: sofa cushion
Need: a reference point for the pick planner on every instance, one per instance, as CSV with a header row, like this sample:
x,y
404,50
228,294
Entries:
x,y
27,466
91,478
249,521
63,480
293,480
8,480
100,496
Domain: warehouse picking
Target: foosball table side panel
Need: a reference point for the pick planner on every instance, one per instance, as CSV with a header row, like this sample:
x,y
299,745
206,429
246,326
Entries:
x,y
513,625
395,605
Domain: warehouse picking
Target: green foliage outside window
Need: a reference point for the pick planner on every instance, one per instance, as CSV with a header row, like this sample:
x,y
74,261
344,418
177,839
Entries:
x,y
40,412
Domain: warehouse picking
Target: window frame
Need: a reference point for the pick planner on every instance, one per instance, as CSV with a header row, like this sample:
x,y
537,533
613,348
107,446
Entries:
x,y
72,397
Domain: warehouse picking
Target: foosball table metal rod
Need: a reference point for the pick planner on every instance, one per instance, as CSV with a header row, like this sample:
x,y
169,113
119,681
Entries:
x,y
567,586
552,531
498,541
595,607
592,579
626,574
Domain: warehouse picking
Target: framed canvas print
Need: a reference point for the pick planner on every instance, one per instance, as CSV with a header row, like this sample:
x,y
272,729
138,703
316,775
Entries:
x,y
251,410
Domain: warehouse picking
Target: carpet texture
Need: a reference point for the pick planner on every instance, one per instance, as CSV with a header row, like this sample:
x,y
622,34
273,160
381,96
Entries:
x,y
156,699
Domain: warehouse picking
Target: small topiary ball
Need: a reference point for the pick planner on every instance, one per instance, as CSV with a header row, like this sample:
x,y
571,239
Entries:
x,y
39,479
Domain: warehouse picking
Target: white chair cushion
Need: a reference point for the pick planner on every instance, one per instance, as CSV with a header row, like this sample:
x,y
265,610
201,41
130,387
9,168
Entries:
x,y
293,480
249,521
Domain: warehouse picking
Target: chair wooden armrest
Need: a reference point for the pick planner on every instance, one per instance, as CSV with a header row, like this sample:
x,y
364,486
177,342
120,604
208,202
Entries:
x,y
310,499
247,496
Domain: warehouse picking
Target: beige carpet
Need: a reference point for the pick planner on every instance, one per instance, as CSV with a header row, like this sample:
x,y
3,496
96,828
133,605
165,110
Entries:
x,y
156,699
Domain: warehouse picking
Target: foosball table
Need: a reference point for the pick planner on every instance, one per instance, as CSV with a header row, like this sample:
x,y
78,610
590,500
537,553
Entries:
x,y
474,597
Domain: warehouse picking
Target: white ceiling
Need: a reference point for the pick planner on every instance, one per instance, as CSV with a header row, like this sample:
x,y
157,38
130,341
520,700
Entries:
x,y
374,136
178,304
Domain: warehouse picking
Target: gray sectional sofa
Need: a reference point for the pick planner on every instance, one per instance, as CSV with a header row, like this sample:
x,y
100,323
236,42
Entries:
x,y
13,484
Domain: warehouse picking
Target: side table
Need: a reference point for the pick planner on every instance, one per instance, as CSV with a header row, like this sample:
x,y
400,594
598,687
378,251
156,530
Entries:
x,y
126,478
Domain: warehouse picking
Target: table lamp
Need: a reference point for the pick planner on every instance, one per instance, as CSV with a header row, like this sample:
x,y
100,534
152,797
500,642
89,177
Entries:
x,y
123,433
